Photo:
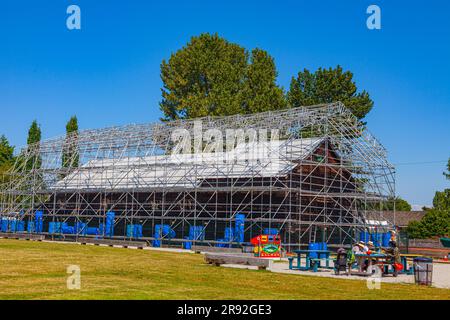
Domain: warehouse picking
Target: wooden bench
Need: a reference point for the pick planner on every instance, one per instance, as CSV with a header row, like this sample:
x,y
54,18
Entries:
x,y
25,236
219,259
205,249
112,242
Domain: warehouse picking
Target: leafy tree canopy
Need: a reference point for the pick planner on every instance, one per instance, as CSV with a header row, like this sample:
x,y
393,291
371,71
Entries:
x,y
261,92
212,76
326,86
434,223
441,200
398,203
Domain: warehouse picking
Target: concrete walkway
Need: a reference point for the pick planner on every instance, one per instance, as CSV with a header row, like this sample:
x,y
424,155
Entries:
x,y
441,274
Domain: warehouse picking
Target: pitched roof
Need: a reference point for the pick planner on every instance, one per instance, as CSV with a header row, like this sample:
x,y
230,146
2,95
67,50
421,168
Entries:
x,y
258,159
399,218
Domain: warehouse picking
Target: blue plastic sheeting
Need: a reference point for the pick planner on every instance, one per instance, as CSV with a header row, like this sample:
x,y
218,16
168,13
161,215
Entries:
x,y
38,221
12,225
270,231
54,228
66,229
162,231
138,231
20,226
376,238
134,231
313,246
80,228
239,227
229,235
93,231
101,229
225,242
109,224
317,246
130,231
236,234
323,246
187,244
30,226
385,239
364,236
195,233
4,225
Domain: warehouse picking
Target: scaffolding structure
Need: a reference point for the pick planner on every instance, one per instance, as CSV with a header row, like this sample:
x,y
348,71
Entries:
x,y
315,182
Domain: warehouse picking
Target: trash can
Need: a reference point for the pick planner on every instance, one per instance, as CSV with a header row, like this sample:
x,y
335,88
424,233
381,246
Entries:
x,y
423,271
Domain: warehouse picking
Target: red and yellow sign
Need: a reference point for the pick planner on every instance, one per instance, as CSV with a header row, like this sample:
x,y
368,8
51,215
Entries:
x,y
267,246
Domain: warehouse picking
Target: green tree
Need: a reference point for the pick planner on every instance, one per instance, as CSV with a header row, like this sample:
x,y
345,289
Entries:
x,y
434,223
70,155
326,86
398,203
33,140
34,133
203,78
212,76
447,174
415,230
441,200
6,159
6,151
261,92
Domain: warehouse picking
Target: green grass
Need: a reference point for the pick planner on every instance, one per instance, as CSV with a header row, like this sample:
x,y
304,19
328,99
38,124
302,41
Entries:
x,y
37,270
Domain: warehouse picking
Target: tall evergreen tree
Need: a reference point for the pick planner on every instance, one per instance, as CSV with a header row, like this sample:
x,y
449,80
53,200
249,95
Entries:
x,y
326,86
6,159
34,133
6,151
70,156
33,140
261,92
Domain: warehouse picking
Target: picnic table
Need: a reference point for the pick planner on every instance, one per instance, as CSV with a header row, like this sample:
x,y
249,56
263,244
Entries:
x,y
370,257
311,263
384,261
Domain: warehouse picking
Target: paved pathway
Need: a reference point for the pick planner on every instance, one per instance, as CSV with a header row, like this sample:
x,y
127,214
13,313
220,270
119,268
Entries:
x,y
441,274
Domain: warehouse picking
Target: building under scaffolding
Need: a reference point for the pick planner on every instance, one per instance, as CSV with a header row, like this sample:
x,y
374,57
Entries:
x,y
317,175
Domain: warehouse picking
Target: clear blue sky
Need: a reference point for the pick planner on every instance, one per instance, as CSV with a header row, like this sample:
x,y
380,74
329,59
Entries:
x,y
107,73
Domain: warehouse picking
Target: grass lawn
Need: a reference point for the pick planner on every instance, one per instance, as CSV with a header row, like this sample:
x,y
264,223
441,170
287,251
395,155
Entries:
x,y
37,270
